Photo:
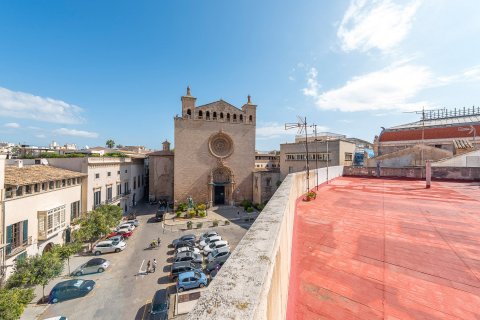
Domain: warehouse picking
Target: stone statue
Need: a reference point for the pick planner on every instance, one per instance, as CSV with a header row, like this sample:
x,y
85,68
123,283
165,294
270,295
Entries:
x,y
190,202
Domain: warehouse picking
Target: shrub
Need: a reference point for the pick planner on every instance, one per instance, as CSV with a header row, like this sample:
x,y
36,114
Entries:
x,y
191,213
189,224
246,204
215,223
178,214
185,215
227,222
203,214
249,209
199,225
182,207
201,207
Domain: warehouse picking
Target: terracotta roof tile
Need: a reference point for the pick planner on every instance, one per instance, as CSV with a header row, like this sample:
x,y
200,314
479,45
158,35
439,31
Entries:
x,y
16,176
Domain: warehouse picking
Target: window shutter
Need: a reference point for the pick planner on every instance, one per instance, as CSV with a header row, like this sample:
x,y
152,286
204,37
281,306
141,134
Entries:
x,y
25,231
9,238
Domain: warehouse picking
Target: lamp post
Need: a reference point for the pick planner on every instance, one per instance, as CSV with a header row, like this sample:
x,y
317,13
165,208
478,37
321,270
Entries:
x,y
316,153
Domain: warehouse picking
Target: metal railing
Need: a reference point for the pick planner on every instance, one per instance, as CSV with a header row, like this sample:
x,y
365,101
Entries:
x,y
12,251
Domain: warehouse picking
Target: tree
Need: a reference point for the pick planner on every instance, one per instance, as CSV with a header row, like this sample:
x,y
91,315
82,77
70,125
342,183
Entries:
x,y
67,250
36,270
110,143
13,302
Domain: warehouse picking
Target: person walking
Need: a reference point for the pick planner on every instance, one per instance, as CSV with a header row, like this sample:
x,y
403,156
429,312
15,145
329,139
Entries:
x,y
154,264
158,241
148,266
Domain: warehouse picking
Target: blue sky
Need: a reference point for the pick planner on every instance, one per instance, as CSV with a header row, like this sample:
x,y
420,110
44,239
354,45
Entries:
x,y
86,71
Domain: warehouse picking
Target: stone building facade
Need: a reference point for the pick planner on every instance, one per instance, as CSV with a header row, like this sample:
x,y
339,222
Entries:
x,y
161,164
214,152
265,183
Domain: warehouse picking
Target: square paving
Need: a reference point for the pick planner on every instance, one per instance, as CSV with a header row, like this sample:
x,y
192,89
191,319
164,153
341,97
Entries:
x,y
387,249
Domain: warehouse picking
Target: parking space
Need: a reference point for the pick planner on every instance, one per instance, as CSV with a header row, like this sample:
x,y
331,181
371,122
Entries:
x,y
125,289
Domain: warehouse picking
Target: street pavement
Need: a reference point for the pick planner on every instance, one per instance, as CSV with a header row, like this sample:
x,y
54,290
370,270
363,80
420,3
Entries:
x,y
124,291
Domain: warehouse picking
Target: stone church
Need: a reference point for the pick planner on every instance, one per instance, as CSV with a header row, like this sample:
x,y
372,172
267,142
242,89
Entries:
x,y
214,154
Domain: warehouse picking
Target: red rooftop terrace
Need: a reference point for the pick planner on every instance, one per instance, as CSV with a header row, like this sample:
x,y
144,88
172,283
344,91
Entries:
x,y
371,248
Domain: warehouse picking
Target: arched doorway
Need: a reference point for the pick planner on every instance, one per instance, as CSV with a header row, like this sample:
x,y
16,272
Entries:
x,y
48,247
221,186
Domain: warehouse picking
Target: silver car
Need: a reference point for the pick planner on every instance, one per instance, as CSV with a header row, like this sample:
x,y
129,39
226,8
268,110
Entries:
x,y
92,266
108,246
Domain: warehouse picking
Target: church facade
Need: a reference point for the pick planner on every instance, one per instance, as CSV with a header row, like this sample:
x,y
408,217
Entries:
x,y
214,152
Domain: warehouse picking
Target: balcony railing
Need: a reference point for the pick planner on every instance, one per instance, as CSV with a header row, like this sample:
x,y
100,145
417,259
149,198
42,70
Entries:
x,y
19,248
112,200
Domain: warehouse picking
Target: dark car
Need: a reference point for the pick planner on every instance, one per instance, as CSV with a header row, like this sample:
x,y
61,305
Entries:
x,y
189,256
182,243
187,237
160,305
70,289
181,267
160,214
219,260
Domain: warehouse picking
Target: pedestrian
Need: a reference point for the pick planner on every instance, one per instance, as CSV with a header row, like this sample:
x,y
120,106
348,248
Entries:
x,y
158,241
238,213
148,266
154,264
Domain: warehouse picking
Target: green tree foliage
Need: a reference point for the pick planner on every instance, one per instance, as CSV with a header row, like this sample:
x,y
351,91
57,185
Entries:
x,y
110,143
13,302
36,270
67,250
98,223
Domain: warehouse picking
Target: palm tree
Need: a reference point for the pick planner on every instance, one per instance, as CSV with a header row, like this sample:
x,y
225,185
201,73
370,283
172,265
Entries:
x,y
110,143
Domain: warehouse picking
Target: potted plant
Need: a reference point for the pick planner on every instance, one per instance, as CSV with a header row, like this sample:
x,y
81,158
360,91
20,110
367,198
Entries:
x,y
199,225
310,196
215,223
189,224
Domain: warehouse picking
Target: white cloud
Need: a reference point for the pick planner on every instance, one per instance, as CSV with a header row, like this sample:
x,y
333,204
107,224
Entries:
x,y
27,106
76,133
312,83
40,136
12,125
291,78
392,88
379,24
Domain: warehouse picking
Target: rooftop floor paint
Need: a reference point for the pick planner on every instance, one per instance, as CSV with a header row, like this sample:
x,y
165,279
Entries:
x,y
387,249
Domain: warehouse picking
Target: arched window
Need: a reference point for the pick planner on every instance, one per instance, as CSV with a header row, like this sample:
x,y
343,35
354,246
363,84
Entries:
x,y
234,118
189,113
207,115
214,115
221,115
228,116
241,118
250,118
200,114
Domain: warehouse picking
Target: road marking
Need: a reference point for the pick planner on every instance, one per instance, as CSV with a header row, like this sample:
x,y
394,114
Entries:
x,y
140,271
145,308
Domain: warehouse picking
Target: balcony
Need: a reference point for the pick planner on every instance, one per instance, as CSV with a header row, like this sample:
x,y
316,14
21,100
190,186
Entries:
x,y
13,249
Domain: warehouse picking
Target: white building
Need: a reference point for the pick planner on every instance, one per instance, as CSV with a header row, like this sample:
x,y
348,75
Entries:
x,y
117,181
39,203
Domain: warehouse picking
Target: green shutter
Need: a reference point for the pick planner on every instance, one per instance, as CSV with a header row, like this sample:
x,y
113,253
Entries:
x,y
9,238
25,231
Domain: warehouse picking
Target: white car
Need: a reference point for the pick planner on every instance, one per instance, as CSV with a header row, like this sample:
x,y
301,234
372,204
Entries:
x,y
215,245
207,234
128,226
184,249
218,253
134,222
108,246
209,240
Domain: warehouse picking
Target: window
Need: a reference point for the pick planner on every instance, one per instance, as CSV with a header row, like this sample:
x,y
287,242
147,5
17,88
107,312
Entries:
x,y
189,113
51,185
269,181
439,146
19,191
97,175
74,210
109,174
69,182
228,116
119,189
97,197
126,170
50,221
126,188
234,118
214,115
118,172
241,118
200,114
348,156
79,180
58,184
28,189
250,118
109,193
221,115
134,183
64,182
207,115
44,186
17,237
36,187
290,169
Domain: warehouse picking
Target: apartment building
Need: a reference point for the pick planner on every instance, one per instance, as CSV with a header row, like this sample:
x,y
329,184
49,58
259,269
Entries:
x,y
39,202
267,160
110,180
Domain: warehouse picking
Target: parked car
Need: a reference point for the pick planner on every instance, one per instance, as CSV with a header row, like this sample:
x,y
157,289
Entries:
x,y
187,237
209,240
181,244
187,249
127,226
207,234
181,267
124,233
70,289
57,318
220,260
212,266
215,245
189,256
160,305
135,222
107,246
191,280
217,253
116,238
92,266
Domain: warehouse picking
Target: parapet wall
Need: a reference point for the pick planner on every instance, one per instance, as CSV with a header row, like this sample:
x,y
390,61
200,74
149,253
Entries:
x,y
439,173
253,283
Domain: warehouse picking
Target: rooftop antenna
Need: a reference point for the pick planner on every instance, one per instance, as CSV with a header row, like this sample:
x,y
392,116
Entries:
x,y
302,125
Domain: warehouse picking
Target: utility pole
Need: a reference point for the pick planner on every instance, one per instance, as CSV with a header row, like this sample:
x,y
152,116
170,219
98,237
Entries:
x,y
316,153
302,125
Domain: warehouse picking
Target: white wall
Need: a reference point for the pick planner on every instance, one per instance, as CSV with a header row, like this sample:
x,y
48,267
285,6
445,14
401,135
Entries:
x,y
469,159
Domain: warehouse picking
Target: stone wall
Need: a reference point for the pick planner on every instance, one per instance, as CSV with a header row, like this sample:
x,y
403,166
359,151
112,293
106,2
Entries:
x,y
160,177
265,185
439,173
253,283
